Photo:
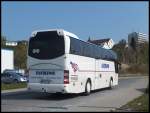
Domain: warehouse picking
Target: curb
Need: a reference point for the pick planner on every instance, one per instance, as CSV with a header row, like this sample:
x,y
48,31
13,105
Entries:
x,y
126,77
13,90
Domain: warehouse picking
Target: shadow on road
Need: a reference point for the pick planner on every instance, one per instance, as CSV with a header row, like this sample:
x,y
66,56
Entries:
x,y
27,95
143,90
57,96
36,95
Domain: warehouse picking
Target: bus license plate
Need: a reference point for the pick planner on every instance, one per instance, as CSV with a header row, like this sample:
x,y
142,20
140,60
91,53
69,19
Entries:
x,y
40,72
43,81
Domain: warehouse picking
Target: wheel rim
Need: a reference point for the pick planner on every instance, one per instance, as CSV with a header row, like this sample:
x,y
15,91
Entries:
x,y
88,88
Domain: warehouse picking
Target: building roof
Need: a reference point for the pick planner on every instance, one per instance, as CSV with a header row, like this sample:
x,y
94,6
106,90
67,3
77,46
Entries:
x,y
100,41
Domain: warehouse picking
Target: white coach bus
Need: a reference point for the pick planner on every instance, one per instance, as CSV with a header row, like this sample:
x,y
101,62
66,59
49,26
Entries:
x,y
58,61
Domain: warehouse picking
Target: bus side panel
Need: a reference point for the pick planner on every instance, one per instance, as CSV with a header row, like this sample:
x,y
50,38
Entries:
x,y
80,69
104,71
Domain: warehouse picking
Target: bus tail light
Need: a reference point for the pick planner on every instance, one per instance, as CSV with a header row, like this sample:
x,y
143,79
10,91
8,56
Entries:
x,y
66,77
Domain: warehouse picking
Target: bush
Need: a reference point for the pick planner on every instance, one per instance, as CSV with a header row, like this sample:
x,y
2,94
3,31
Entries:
x,y
138,69
135,69
147,89
13,86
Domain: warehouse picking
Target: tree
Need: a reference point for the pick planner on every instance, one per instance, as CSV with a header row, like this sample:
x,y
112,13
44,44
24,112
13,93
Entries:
x,y
122,42
120,50
133,44
20,52
130,55
143,53
89,39
20,55
3,41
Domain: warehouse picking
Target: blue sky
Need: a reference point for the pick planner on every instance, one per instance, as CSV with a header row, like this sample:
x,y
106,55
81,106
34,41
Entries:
x,y
95,19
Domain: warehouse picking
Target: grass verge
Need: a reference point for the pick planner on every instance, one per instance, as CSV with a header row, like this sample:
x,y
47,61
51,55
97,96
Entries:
x,y
134,69
140,104
13,86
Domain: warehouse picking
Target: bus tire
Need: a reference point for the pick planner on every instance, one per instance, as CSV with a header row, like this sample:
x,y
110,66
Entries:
x,y
111,84
87,88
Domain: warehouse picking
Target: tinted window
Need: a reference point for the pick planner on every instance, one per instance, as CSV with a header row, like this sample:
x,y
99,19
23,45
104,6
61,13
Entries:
x,y
82,48
86,50
75,47
96,55
46,45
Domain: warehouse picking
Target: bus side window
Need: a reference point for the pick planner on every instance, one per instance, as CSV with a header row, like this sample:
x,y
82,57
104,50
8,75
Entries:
x,y
75,47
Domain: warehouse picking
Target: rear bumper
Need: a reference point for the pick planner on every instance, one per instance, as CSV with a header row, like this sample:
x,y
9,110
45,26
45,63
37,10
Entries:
x,y
49,88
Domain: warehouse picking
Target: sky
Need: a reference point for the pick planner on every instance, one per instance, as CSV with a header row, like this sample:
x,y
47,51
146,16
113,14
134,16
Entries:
x,y
97,20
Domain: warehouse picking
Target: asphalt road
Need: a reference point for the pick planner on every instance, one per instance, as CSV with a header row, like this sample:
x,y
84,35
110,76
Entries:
x,y
102,100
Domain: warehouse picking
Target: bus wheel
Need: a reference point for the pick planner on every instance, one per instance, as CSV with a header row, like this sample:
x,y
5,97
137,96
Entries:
x,y
110,84
88,88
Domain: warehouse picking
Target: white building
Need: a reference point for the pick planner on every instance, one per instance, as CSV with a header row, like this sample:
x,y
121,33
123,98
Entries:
x,y
11,43
105,43
137,39
7,59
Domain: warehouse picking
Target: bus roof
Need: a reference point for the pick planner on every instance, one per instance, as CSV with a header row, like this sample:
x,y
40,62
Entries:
x,y
107,52
60,32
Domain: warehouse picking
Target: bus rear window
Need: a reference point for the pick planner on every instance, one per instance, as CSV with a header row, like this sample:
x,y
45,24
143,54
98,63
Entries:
x,y
46,45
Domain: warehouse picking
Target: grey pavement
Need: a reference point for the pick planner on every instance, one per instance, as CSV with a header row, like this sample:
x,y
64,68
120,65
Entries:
x,y
13,90
102,100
